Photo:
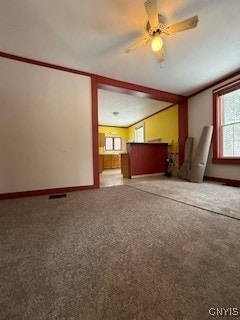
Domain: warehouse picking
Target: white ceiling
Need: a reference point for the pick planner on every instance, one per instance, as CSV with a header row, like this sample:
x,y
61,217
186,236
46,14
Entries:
x,y
131,109
91,36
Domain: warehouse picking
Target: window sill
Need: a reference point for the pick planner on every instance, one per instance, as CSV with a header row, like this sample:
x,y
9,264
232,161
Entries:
x,y
226,160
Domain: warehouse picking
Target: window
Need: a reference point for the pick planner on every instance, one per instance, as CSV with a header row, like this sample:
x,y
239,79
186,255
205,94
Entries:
x,y
227,124
113,144
139,134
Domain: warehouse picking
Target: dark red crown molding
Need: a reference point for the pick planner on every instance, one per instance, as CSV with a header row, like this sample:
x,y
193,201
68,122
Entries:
x,y
101,82
154,114
106,83
43,64
137,90
172,105
215,83
107,126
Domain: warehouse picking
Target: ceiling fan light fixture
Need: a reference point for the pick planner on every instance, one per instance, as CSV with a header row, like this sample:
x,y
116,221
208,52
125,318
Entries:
x,y
157,43
156,27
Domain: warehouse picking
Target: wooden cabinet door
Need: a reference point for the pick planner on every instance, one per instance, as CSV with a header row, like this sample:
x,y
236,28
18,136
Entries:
x,y
125,166
111,161
119,161
101,139
107,162
115,161
100,163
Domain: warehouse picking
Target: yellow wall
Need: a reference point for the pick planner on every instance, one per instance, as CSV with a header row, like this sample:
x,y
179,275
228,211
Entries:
x,y
163,125
114,132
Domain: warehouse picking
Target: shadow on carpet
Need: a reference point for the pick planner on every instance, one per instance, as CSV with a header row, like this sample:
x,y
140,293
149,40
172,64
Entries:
x,y
224,200
115,253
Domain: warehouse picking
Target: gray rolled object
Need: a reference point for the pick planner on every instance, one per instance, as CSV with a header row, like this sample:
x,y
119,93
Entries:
x,y
198,167
186,166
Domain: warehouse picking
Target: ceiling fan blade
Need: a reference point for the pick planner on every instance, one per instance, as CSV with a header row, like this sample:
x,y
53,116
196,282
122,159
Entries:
x,y
160,55
137,44
182,25
151,8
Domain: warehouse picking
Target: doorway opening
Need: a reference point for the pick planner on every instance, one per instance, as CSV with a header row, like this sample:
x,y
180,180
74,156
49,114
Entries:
x,y
123,118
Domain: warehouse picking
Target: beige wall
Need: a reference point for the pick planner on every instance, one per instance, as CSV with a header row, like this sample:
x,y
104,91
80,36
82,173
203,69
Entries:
x,y
45,128
200,114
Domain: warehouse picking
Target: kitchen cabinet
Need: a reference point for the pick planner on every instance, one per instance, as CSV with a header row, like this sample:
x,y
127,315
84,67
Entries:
x,y
116,162
107,161
101,139
111,161
100,163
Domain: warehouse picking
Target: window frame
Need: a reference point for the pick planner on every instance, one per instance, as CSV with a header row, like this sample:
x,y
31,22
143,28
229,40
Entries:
x,y
113,144
141,126
217,135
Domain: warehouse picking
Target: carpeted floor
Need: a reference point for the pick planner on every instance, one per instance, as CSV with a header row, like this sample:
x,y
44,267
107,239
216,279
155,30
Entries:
x,y
116,253
210,196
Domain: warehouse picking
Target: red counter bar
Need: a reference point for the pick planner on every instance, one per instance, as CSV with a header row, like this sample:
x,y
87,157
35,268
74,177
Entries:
x,y
144,158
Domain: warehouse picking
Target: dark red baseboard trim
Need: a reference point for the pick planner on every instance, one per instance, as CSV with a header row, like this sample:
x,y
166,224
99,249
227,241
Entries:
x,y
32,193
226,161
222,180
101,82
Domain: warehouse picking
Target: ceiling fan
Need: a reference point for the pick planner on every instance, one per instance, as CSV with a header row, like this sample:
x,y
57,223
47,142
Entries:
x,y
156,26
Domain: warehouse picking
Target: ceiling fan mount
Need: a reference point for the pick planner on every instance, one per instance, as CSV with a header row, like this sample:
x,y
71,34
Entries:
x,y
161,26
156,27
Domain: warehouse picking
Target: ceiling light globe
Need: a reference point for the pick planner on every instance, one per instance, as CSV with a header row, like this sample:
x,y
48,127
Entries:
x,y
157,43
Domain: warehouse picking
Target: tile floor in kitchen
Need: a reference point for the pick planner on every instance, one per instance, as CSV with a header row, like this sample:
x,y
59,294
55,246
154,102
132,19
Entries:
x,y
113,177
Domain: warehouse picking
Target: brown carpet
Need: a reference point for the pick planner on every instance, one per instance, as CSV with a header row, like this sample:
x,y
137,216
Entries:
x,y
115,254
210,196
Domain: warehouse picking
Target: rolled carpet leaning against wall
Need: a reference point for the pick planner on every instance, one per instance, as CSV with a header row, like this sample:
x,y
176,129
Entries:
x,y
186,166
194,171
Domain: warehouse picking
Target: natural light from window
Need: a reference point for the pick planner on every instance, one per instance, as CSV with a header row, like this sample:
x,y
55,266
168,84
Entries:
x,y
113,144
230,123
139,134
